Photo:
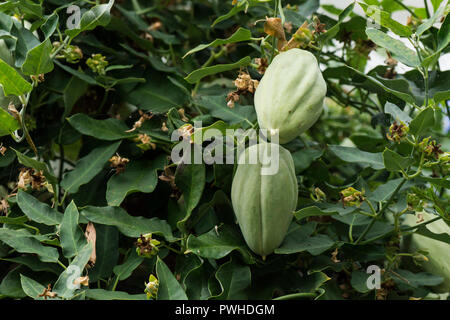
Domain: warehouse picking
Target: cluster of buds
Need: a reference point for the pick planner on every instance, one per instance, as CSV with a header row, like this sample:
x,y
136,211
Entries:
x,y
431,148
145,142
397,132
352,197
71,53
143,117
415,203
244,84
146,246
38,78
151,288
30,176
118,163
98,64
318,195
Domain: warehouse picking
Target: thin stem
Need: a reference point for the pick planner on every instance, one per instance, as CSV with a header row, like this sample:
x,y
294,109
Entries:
x,y
383,209
406,8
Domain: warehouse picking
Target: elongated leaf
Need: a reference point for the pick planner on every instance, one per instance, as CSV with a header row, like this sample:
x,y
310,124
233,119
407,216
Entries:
x,y
354,155
330,33
241,34
299,239
219,243
395,162
396,113
26,243
97,16
139,176
384,19
88,167
38,166
422,122
8,124
72,238
35,264
128,225
107,252
101,294
31,287
427,24
38,60
217,107
169,287
190,178
234,279
38,211
109,129
197,75
64,286
12,82
125,270
397,48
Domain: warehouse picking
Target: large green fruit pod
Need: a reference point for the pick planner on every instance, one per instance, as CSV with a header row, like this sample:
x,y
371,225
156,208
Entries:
x,y
264,196
438,251
289,97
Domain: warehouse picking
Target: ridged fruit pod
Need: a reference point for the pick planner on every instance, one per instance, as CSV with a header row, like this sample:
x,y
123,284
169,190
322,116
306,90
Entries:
x,y
289,98
264,200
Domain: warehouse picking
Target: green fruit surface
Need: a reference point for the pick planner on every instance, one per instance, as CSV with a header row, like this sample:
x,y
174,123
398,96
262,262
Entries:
x,y
289,97
438,251
264,203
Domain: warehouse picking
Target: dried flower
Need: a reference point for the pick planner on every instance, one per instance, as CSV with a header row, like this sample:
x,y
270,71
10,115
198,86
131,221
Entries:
x,y
47,293
397,131
146,246
351,197
143,117
119,163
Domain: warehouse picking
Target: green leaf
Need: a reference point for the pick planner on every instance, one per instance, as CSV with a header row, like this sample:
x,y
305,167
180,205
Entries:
x,y
12,82
415,280
107,251
333,31
427,24
79,74
219,243
88,167
97,16
72,238
109,129
24,242
217,107
359,281
8,124
50,25
303,158
395,162
422,122
190,179
64,286
312,211
38,166
240,6
384,191
234,279
197,75
38,60
101,294
397,48
354,155
384,19
396,113
299,239
33,263
125,270
157,95
38,211
169,287
74,90
240,35
128,225
31,287
139,176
